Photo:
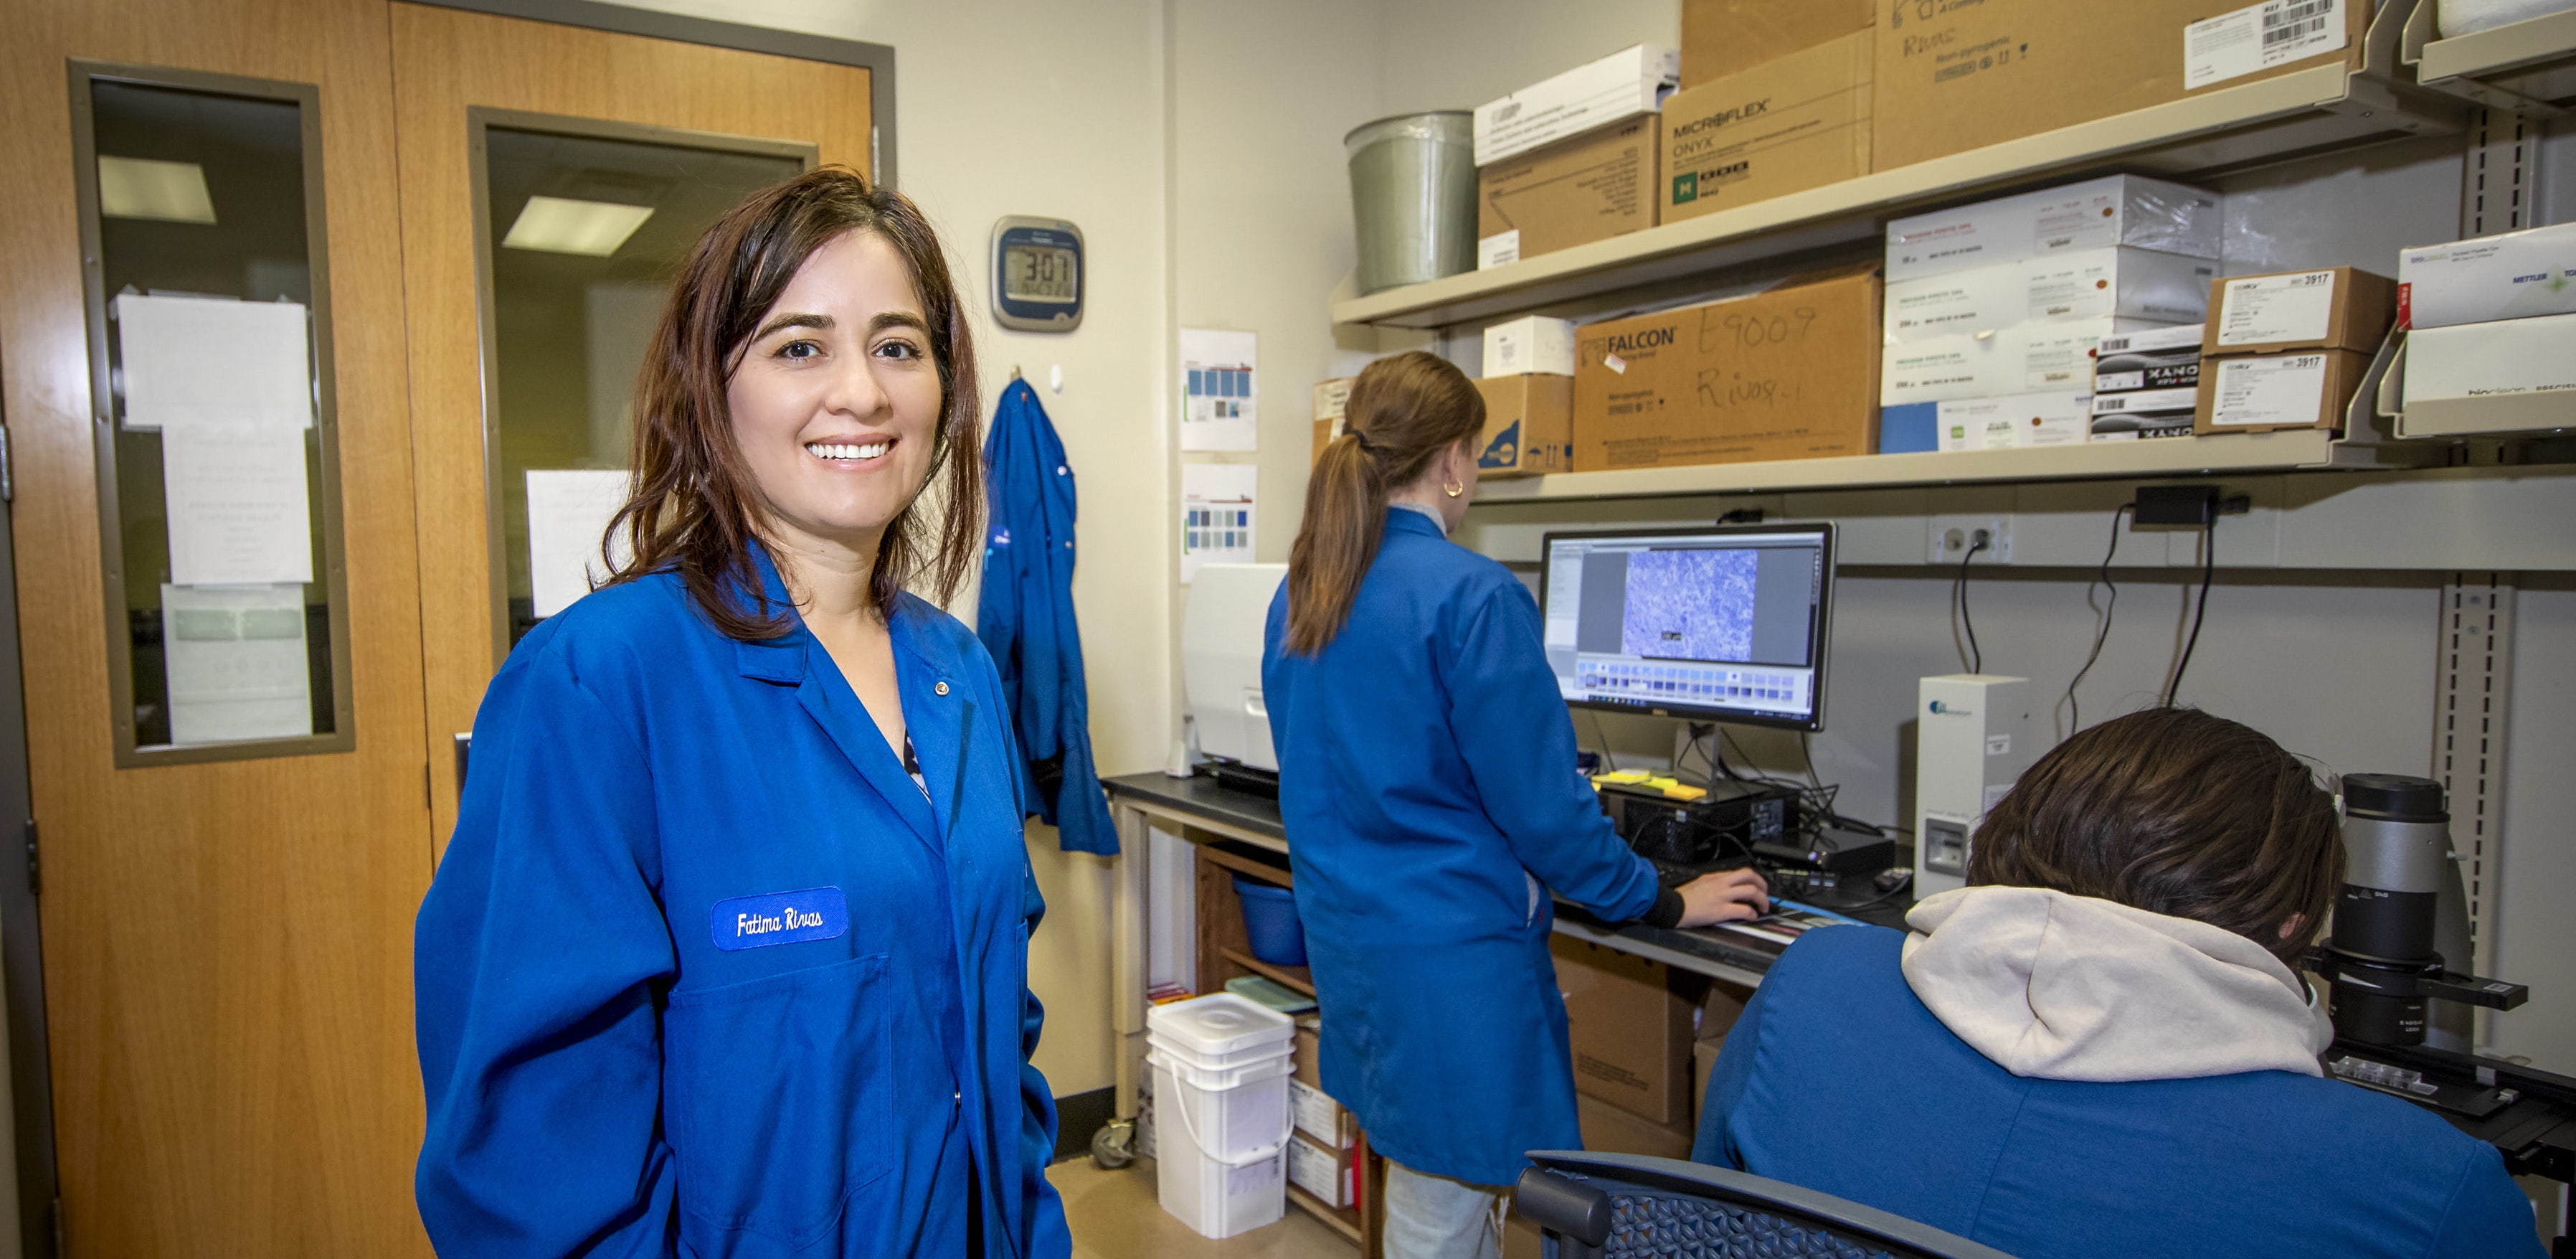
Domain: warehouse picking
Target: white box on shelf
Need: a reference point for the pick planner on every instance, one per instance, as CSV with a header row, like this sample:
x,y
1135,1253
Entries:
x,y
2098,213
1635,80
2028,358
1532,344
2485,360
2078,284
2015,422
2517,275
2147,402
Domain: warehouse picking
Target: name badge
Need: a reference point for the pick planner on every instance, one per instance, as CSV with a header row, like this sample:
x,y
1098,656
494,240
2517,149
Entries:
x,y
751,922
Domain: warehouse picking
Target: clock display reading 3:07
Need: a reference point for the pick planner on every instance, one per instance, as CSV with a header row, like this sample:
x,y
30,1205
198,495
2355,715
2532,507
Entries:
x,y
1038,274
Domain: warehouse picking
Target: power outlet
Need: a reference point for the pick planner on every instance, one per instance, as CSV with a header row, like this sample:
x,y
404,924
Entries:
x,y
1952,536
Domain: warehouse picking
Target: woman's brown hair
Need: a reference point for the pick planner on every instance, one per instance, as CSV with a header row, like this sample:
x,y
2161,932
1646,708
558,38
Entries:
x,y
2174,811
694,508
1402,412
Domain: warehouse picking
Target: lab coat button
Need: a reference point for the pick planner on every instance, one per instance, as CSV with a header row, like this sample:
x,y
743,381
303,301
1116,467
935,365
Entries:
x,y
940,689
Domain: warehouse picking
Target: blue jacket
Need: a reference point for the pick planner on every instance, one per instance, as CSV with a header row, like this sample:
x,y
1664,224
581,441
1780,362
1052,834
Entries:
x,y
1837,1078
1024,614
704,972
1426,772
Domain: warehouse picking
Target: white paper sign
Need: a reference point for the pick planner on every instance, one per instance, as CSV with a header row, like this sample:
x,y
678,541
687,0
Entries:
x,y
237,663
2259,37
1219,390
1216,514
2286,390
1501,249
187,360
568,511
2271,308
235,494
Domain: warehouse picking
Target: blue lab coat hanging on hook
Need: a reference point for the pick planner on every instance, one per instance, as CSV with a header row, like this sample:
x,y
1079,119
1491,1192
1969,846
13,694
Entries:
x,y
1025,617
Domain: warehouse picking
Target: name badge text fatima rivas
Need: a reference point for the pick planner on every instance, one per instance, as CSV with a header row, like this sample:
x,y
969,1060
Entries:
x,y
751,922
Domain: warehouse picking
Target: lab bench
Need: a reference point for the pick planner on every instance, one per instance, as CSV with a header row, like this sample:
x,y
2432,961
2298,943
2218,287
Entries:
x,y
1234,832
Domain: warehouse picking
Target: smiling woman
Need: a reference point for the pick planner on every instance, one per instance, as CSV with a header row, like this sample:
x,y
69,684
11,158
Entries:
x,y
754,784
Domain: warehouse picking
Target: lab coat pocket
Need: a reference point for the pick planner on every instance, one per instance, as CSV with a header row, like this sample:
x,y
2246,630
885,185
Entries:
x,y
774,1092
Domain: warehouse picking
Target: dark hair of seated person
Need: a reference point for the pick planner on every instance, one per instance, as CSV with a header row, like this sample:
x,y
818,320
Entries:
x,y
2175,812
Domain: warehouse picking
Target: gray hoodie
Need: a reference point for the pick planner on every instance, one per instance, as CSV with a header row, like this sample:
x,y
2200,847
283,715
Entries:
x,y
2064,987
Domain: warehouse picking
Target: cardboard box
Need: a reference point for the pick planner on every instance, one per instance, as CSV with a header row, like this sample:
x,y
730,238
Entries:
x,y
2117,282
2115,210
1786,126
2261,393
1529,426
1331,396
1321,1117
1522,1237
2518,275
1721,38
1616,88
1780,375
1631,1030
1329,1174
2333,308
2013,423
1592,187
1717,1014
1704,1054
2027,358
1957,76
1309,1055
1607,1129
1531,343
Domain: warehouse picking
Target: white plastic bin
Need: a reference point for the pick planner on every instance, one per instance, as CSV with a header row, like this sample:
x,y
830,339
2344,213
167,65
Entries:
x,y
1222,1154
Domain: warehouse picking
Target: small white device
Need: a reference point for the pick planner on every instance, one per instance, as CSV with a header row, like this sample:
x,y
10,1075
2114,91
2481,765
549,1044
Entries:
x,y
1221,660
1037,274
1972,740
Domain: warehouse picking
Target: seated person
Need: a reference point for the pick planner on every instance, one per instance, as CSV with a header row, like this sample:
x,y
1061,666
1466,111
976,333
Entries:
x,y
2102,1046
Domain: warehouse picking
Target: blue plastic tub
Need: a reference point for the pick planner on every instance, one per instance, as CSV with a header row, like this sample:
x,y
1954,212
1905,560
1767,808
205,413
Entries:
x,y
1270,918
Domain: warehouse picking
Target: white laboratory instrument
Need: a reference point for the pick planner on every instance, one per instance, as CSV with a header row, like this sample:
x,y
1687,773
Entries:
x,y
1221,661
1972,741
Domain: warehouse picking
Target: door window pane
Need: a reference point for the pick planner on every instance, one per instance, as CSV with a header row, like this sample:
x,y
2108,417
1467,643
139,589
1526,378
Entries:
x,y
210,358
586,233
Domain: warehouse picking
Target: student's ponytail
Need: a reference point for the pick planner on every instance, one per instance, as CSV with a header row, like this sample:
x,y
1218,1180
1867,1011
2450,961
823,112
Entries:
x,y
1403,411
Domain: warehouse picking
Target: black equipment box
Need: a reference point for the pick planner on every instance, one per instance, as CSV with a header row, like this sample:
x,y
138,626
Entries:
x,y
1731,822
1830,850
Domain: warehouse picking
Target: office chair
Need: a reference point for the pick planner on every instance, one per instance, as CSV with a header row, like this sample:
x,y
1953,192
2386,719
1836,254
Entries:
x,y
1627,1206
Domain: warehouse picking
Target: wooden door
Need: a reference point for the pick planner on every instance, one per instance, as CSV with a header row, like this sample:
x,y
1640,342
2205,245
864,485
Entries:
x,y
455,72
226,941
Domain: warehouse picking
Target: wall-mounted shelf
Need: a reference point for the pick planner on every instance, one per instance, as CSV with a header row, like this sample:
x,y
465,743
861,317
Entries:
x,y
2526,66
2288,115
2171,456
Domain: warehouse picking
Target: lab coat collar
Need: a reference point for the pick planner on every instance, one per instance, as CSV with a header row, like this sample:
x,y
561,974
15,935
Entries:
x,y
936,708
1405,520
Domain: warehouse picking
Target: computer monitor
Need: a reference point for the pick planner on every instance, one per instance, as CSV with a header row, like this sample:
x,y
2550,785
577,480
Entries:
x,y
1716,624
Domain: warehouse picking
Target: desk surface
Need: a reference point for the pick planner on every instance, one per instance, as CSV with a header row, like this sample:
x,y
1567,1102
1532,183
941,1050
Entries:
x,y
1706,952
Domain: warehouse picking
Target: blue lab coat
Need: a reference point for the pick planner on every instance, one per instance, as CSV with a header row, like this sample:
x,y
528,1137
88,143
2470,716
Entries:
x,y
1024,614
1837,1078
1426,772
704,972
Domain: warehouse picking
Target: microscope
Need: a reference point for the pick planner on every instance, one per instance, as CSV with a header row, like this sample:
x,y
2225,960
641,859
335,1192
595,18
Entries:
x,y
2402,1016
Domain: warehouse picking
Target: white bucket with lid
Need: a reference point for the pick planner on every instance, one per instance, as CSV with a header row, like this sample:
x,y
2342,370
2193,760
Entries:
x,y
1221,1066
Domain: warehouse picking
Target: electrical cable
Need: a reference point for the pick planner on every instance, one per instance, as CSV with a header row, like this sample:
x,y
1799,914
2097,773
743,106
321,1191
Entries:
x,y
2208,569
2075,707
1959,600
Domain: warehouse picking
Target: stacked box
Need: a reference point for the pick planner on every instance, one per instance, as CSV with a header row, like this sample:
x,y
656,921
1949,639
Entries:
x,y
1573,159
2288,350
2146,384
1995,310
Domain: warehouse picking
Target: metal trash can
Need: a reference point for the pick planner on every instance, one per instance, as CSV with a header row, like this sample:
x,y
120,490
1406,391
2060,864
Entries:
x,y
1413,197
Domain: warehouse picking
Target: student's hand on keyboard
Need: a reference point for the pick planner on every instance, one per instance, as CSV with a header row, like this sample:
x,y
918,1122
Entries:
x,y
1726,896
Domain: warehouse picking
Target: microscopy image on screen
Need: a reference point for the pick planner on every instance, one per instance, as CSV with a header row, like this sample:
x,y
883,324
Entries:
x,y
1690,605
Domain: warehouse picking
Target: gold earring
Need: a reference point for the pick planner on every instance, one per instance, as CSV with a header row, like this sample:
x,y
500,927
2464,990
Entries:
x,y
1453,489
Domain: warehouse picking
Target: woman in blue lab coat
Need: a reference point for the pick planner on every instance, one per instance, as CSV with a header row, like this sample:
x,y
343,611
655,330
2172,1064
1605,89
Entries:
x,y
1427,774
728,954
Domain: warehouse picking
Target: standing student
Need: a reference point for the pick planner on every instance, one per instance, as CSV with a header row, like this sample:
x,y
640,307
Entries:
x,y
1427,776
728,955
